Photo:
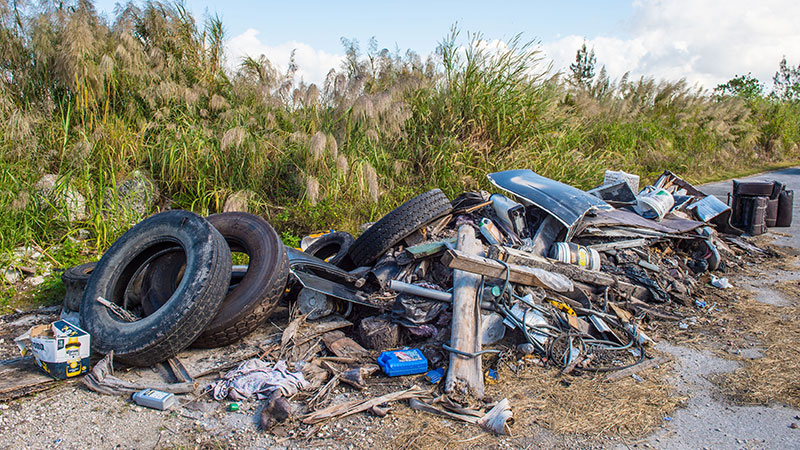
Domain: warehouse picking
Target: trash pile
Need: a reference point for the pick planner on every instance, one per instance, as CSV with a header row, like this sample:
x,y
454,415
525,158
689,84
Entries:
x,y
437,288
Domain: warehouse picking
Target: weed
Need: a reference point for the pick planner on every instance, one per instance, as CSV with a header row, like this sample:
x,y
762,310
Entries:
x,y
148,91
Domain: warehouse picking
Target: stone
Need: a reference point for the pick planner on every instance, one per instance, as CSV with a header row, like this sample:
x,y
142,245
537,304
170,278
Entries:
x,y
58,193
238,201
136,195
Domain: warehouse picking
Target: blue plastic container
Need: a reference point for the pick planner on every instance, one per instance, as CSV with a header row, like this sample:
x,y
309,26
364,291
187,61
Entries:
x,y
409,361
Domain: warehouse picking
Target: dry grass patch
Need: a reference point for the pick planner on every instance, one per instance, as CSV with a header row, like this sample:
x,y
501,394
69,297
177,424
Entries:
x,y
773,378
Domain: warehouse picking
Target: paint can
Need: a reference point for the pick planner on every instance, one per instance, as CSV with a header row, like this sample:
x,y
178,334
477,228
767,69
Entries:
x,y
571,253
654,203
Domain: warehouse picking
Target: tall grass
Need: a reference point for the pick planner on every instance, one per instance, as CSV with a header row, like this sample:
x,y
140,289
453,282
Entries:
x,y
93,100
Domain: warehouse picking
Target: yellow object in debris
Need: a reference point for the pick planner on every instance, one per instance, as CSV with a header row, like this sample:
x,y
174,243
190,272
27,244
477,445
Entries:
x,y
562,306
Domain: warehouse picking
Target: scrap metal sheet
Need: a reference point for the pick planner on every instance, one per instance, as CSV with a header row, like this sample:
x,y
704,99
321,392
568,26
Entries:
x,y
566,203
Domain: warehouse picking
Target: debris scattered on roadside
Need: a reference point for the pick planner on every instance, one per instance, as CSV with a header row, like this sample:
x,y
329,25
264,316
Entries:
x,y
543,274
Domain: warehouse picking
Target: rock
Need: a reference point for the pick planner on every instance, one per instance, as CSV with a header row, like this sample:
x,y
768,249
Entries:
x,y
11,276
136,195
20,201
59,194
238,201
379,332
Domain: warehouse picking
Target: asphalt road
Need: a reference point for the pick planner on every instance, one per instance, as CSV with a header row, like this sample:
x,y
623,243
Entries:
x,y
708,421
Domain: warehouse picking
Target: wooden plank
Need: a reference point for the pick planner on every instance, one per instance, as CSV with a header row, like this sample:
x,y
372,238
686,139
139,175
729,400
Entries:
x,y
342,346
21,376
576,273
466,324
517,274
616,245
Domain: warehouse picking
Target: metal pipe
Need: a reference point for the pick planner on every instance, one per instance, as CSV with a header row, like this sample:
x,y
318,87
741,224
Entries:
x,y
420,291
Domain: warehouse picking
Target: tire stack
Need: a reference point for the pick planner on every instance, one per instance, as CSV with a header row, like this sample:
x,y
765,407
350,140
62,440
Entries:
x,y
173,271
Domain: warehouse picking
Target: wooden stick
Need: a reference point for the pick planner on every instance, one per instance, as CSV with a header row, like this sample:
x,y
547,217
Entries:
x,y
466,323
356,406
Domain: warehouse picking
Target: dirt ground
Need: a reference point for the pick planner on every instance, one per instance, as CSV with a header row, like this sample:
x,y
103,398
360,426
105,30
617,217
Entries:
x,y
728,380
683,403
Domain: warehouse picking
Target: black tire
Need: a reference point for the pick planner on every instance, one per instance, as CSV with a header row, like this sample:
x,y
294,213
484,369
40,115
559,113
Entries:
x,y
331,247
251,302
75,279
175,325
397,225
163,275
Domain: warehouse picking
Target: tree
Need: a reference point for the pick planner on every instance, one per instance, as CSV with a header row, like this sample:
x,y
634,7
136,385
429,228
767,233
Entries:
x,y
744,86
583,68
786,82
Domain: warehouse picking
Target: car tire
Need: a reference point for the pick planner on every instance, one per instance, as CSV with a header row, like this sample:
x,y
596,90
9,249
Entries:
x,y
75,279
252,301
331,247
397,225
182,318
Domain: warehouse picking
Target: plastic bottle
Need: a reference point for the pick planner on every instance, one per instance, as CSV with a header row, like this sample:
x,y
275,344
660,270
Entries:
x,y
490,231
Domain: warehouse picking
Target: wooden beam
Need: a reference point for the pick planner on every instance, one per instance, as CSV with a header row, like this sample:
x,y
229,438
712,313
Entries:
x,y
572,272
466,324
456,259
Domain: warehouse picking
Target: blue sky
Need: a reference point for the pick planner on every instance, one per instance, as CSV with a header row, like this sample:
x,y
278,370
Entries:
x,y
418,25
704,41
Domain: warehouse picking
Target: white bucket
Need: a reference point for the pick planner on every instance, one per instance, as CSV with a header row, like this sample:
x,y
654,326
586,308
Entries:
x,y
571,253
654,204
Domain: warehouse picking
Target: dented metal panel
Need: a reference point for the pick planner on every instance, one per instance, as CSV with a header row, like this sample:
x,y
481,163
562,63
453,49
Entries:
x,y
566,203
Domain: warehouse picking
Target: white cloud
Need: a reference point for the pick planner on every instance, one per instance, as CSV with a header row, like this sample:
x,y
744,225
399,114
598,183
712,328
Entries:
x,y
313,65
703,41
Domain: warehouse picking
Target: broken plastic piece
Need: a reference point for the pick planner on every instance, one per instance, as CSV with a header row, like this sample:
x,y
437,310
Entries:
x,y
435,375
721,283
495,420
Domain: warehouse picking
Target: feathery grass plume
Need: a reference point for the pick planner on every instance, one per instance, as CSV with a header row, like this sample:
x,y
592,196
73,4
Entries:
x,y
342,164
363,108
297,97
233,139
298,137
19,128
218,103
339,85
312,94
333,148
312,190
372,136
269,121
78,157
317,145
372,181
382,101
